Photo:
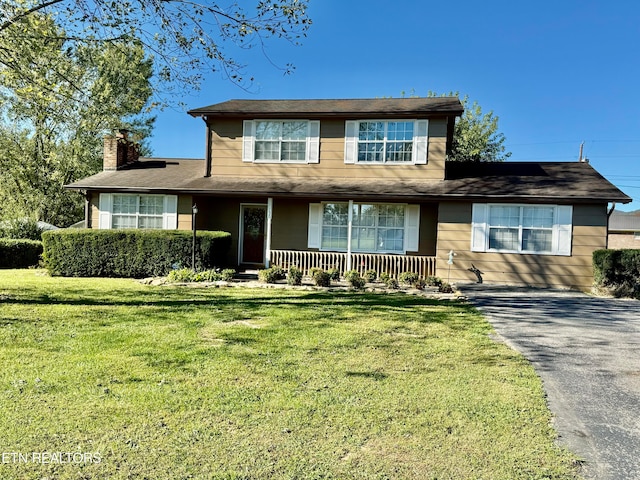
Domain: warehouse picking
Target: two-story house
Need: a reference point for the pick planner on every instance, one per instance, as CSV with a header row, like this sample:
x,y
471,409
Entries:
x,y
362,184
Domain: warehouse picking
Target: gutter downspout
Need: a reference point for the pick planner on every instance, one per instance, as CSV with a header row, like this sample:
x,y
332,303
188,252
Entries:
x,y
613,207
87,209
207,148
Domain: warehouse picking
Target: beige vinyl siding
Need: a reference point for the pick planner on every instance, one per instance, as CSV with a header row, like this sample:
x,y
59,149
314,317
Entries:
x,y
94,203
226,154
185,215
575,271
289,224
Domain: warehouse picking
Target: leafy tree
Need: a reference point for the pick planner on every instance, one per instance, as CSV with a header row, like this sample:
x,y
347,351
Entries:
x,y
476,137
186,38
51,130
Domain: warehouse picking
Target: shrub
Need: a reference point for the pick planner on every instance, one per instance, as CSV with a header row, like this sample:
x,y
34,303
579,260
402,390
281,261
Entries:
x,y
408,278
295,276
392,283
269,275
19,253
313,270
385,277
354,279
228,274
181,275
21,228
129,253
445,288
618,271
334,273
321,278
370,276
187,275
433,281
278,272
420,284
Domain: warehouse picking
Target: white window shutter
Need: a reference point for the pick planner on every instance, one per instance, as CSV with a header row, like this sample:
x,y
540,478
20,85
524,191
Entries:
x,y
412,228
248,140
420,142
313,142
105,208
479,227
563,227
351,142
315,227
170,216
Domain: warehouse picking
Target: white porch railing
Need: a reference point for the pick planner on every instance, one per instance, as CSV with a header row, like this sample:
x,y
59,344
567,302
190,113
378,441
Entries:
x,y
394,265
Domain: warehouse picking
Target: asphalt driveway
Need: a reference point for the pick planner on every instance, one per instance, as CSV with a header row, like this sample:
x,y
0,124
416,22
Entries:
x,y
587,352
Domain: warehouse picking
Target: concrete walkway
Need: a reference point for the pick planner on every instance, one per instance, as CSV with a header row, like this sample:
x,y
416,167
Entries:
x,y
587,352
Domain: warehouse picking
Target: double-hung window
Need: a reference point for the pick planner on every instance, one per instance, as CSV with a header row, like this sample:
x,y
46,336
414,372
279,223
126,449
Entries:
x,y
386,141
375,228
281,141
512,228
137,211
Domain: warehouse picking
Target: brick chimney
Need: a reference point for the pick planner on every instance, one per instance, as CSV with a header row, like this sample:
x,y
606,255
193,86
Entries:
x,y
119,151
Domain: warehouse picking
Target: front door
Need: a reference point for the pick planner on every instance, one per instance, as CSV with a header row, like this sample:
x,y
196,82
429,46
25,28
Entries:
x,y
253,218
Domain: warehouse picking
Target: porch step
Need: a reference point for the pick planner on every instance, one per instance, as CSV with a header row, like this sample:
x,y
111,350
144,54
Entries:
x,y
246,275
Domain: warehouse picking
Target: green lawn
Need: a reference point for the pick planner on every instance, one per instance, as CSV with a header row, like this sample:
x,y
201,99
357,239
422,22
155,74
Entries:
x,y
180,382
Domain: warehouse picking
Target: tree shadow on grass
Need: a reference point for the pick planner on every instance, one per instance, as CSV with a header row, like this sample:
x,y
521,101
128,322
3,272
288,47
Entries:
x,y
213,297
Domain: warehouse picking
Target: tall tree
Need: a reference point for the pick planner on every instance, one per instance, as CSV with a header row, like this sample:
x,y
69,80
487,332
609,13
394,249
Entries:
x,y
187,38
476,136
51,130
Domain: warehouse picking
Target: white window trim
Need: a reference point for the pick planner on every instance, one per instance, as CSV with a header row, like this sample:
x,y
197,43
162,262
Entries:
x,y
419,152
169,211
312,147
411,228
561,231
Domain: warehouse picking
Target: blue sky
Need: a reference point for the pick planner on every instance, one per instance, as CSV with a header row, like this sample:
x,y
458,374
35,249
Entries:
x,y
557,73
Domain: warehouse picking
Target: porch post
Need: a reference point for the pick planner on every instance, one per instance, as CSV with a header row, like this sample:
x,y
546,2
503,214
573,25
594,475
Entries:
x,y
349,227
267,240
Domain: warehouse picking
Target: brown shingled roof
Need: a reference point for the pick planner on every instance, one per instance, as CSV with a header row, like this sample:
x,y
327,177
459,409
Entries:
x,y
361,108
510,181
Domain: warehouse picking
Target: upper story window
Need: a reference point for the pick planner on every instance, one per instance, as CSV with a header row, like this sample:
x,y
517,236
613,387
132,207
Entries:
x,y
522,228
386,141
281,141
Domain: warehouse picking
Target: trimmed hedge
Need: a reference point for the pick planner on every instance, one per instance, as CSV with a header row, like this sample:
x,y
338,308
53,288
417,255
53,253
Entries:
x,y
19,253
618,271
130,253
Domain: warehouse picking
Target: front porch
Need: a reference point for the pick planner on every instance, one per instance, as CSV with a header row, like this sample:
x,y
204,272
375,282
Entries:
x,y
393,265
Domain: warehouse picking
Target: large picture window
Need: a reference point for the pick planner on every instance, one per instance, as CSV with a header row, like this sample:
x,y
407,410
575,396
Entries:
x,y
375,228
522,228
